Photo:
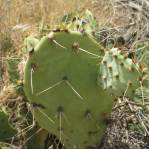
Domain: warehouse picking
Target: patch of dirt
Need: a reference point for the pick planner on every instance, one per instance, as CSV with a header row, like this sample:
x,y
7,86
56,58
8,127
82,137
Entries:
x,y
128,126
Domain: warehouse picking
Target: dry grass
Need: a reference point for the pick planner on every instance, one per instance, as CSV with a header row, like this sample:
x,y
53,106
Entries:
x,y
19,18
34,11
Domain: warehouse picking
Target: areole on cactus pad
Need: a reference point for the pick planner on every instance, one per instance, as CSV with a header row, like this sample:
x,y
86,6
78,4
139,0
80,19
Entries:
x,y
61,84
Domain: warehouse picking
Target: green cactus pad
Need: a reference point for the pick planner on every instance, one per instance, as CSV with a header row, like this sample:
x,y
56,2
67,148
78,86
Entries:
x,y
61,83
80,21
30,43
142,52
6,131
38,140
118,74
141,95
12,68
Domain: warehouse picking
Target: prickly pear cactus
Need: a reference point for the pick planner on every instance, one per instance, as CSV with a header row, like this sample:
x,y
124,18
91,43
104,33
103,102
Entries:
x,y
12,63
142,93
61,84
30,43
142,52
6,131
83,22
38,140
118,74
12,68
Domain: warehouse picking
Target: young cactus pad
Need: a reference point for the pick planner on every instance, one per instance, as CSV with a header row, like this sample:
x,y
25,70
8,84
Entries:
x,y
30,43
61,83
83,22
118,74
142,53
12,69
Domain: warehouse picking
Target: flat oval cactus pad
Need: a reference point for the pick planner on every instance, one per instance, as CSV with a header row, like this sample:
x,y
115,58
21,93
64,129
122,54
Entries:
x,y
61,84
